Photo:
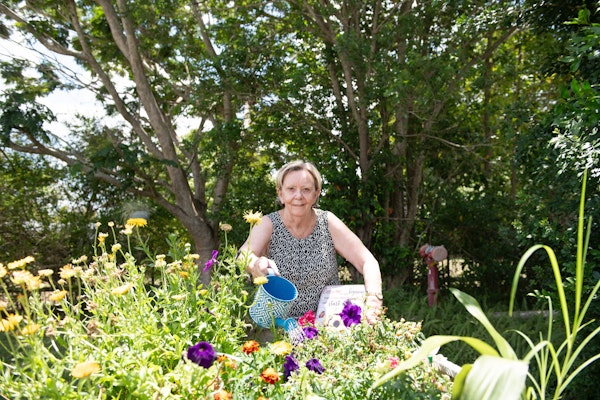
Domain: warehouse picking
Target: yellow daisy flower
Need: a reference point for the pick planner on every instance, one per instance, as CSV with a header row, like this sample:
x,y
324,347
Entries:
x,y
260,280
281,348
160,261
139,222
20,263
102,237
30,329
253,218
128,229
67,272
33,283
22,277
121,290
10,322
80,260
85,369
58,295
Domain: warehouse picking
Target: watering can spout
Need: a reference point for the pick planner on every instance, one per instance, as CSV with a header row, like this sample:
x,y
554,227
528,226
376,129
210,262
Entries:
x,y
287,324
292,328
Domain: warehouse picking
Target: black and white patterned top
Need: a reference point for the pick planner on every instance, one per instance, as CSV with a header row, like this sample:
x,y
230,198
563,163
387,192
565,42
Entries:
x,y
309,263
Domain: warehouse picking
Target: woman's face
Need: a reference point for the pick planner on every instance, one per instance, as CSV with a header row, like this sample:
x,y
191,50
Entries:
x,y
298,193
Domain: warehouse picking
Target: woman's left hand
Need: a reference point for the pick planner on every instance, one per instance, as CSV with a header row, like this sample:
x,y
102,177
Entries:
x,y
373,309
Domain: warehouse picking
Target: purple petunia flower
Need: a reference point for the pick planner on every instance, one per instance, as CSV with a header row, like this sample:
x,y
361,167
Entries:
x,y
202,353
315,365
290,365
212,261
350,314
310,332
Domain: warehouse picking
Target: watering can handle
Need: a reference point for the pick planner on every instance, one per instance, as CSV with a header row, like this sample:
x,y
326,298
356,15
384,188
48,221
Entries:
x,y
270,272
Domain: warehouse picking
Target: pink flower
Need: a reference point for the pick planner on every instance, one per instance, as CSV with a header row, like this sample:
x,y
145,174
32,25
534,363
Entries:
x,y
307,319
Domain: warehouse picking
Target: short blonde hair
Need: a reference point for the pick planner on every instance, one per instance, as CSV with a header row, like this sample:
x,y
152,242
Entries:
x,y
299,165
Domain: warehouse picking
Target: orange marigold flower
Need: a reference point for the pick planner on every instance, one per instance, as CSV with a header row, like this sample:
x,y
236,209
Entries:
x,y
250,346
269,375
85,369
223,395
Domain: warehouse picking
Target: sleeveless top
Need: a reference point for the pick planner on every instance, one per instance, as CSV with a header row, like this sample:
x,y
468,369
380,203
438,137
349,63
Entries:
x,y
309,263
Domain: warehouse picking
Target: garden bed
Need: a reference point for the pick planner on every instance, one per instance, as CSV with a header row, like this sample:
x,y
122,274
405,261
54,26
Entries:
x,y
102,332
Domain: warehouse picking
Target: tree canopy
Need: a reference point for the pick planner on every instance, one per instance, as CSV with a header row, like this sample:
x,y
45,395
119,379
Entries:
x,y
413,111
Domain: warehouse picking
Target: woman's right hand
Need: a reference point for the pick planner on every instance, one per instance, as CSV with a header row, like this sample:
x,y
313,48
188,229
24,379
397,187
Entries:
x,y
261,265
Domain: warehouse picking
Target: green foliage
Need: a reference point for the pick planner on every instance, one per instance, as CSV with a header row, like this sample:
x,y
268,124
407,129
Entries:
x,y
562,362
412,114
550,172
558,362
475,226
449,317
103,331
34,216
137,332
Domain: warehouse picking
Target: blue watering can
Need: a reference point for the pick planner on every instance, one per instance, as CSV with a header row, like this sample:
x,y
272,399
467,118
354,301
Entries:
x,y
272,302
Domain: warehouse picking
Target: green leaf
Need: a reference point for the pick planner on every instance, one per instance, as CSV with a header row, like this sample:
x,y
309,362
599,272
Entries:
x,y
495,378
458,386
475,310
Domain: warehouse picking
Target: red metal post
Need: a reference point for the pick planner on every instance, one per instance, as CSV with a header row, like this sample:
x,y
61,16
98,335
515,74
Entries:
x,y
432,255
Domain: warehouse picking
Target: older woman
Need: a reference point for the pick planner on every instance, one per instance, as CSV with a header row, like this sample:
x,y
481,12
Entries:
x,y
300,242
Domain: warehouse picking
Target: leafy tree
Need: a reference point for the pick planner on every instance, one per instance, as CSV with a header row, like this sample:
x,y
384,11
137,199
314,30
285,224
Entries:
x,y
151,63
412,111
569,138
377,94
38,217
